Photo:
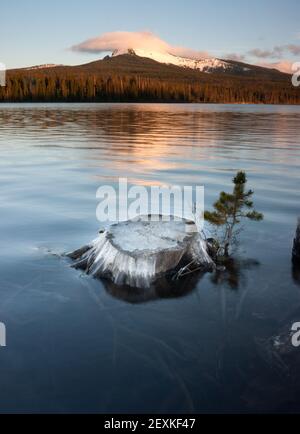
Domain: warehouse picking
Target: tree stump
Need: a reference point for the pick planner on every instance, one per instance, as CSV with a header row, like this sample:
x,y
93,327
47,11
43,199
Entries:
x,y
296,248
138,252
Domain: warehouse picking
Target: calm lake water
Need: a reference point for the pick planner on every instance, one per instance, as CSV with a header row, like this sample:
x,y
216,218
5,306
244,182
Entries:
x,y
80,345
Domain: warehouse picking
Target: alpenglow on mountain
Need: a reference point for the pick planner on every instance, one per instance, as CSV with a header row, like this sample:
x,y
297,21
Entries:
x,y
207,65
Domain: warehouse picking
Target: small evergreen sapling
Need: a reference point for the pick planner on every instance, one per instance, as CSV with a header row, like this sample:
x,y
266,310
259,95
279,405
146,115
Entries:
x,y
230,209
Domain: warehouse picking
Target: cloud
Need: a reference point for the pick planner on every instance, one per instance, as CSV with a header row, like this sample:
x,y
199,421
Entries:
x,y
109,42
276,52
294,49
263,54
283,66
257,52
234,56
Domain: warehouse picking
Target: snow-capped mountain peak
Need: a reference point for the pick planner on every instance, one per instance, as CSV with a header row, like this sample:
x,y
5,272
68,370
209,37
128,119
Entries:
x,y
203,65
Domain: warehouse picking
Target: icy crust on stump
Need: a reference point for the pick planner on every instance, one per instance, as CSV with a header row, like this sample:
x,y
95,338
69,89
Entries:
x,y
137,252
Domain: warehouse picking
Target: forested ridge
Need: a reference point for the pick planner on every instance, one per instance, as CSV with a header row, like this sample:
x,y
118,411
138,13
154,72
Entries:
x,y
133,79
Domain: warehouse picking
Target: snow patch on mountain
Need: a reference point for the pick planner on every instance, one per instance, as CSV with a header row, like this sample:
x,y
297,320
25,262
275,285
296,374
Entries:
x,y
47,65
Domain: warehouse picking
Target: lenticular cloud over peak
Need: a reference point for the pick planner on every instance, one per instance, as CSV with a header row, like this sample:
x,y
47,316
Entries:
x,y
122,41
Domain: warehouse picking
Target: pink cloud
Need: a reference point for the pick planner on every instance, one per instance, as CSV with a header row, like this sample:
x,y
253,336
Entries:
x,y
283,66
112,41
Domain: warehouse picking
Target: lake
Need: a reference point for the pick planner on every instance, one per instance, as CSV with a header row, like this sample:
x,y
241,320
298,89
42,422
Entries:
x,y
75,344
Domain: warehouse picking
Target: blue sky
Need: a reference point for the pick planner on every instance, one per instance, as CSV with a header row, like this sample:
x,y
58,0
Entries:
x,y
35,32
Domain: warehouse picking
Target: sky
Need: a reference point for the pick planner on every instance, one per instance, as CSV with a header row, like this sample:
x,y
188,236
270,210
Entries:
x,y
33,32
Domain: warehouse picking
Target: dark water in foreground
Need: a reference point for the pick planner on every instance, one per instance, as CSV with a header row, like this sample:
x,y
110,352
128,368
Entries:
x,y
75,344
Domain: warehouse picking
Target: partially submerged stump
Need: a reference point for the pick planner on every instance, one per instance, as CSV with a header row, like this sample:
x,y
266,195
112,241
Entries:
x,y
296,248
138,252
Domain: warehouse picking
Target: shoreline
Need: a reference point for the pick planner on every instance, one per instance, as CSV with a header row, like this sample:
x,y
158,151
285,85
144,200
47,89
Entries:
x,y
148,103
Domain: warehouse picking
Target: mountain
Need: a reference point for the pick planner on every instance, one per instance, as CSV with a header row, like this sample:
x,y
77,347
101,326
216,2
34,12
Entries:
x,y
147,76
147,63
208,65
144,61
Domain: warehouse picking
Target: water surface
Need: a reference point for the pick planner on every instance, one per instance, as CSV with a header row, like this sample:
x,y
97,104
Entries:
x,y
80,345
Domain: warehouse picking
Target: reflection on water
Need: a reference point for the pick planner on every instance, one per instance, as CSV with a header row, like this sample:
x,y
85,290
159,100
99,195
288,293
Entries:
x,y
78,344
163,289
233,272
296,273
